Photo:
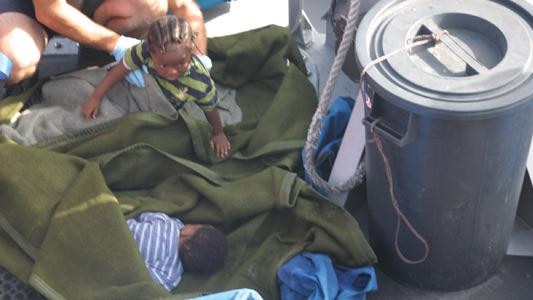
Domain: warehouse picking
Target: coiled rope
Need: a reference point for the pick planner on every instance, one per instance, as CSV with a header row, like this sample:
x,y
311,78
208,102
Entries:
x,y
325,99
316,124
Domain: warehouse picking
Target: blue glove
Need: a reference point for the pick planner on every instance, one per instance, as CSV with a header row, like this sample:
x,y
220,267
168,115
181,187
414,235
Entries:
x,y
124,43
206,61
5,69
5,66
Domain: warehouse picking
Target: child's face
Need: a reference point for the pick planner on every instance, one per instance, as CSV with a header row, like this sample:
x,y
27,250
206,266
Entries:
x,y
172,64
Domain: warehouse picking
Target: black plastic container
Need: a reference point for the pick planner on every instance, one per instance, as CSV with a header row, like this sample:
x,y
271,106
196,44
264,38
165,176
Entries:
x,y
455,120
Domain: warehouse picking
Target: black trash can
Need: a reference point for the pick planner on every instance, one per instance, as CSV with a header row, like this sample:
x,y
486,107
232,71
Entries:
x,y
455,118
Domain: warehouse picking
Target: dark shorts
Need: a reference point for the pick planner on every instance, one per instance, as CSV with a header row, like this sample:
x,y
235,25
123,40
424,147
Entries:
x,y
21,6
25,7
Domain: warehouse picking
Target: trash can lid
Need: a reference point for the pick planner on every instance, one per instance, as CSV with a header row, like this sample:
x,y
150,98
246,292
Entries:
x,y
483,65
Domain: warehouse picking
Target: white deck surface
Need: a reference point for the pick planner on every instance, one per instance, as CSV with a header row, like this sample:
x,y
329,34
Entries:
x,y
241,15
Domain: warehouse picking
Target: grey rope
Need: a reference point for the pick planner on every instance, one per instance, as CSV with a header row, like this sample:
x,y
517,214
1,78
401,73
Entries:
x,y
323,104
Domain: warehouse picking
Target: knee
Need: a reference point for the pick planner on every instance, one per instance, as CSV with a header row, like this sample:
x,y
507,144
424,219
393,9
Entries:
x,y
25,62
23,41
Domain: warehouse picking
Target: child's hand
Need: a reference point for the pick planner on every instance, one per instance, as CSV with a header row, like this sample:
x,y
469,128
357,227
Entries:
x,y
221,145
90,107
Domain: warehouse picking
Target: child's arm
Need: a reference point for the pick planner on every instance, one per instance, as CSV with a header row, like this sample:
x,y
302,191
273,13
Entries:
x,y
219,142
91,106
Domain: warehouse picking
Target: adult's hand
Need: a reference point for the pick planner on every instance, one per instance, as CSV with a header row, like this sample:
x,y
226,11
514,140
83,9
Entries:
x,y
124,43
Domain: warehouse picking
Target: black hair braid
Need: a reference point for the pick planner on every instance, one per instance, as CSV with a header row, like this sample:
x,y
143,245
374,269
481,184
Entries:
x,y
182,30
168,32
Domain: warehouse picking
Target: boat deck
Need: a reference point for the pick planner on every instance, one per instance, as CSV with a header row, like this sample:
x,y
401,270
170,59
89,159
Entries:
x,y
515,278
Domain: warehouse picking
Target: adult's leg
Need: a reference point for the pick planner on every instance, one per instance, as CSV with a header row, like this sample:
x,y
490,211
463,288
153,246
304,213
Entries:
x,y
131,17
22,39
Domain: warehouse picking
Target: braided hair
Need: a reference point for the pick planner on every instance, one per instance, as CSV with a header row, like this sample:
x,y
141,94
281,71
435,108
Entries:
x,y
169,32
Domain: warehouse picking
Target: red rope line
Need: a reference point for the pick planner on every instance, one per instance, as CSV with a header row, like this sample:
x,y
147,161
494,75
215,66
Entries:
x,y
396,205
416,41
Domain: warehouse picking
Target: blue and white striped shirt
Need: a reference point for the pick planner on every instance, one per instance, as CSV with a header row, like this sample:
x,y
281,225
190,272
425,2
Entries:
x,y
157,236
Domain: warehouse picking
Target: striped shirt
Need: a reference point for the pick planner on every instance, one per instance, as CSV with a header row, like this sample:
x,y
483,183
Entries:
x,y
157,236
197,86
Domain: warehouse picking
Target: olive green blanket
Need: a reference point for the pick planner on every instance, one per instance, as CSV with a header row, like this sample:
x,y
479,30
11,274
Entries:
x,y
63,202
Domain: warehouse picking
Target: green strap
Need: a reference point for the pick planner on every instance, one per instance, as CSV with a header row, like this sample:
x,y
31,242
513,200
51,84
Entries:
x,y
17,237
76,136
271,148
289,190
198,168
83,134
40,285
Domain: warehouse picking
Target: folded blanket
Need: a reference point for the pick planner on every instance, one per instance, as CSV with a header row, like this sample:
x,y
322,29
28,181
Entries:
x,y
65,201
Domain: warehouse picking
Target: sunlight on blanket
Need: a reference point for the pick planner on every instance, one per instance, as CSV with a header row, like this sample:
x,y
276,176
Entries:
x,y
102,199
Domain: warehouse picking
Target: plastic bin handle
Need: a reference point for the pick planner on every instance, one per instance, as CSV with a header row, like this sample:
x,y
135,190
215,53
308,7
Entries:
x,y
391,135
474,66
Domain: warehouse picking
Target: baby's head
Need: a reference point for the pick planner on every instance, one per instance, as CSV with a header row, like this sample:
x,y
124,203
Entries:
x,y
202,248
170,42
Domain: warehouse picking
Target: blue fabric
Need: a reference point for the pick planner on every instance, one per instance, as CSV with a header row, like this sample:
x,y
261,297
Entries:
x,y
333,126
312,276
239,294
355,283
209,3
5,66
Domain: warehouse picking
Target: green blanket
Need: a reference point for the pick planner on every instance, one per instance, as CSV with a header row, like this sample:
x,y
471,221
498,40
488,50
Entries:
x,y
64,202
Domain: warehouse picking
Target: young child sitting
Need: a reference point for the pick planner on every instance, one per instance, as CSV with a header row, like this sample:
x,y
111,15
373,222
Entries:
x,y
167,55
169,247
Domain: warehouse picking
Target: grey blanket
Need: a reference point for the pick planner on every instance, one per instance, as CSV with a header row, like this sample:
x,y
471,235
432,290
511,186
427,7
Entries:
x,y
59,112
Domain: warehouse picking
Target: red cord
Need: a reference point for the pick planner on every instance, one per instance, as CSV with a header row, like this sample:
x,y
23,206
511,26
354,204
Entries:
x,y
396,205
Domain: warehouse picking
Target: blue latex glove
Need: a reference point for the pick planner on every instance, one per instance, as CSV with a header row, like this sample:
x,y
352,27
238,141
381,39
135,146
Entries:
x,y
5,69
124,43
5,66
206,61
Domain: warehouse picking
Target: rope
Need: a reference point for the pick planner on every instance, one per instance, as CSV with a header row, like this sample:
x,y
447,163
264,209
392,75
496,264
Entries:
x,y
316,124
325,98
323,104
416,41
396,205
